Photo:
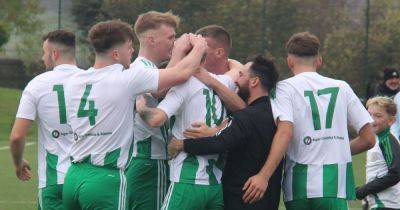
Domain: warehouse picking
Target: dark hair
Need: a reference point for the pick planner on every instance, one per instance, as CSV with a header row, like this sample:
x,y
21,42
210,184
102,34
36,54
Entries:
x,y
218,33
63,37
303,44
264,68
390,73
105,35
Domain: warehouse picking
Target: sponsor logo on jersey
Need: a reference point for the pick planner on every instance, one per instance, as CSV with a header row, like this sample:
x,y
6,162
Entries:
x,y
55,134
307,140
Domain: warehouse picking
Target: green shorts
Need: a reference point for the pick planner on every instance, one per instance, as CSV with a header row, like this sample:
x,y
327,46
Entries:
x,y
318,204
50,197
148,183
89,187
194,197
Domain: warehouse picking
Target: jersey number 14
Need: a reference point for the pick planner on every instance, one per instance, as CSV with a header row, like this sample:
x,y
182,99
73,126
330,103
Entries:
x,y
82,112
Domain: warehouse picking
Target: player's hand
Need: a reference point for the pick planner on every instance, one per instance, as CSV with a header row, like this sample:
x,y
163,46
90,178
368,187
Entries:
x,y
174,147
23,171
182,44
199,130
198,42
360,195
254,188
234,69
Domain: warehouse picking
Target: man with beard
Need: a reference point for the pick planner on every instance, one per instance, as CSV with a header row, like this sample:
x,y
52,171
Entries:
x,y
390,85
43,100
247,137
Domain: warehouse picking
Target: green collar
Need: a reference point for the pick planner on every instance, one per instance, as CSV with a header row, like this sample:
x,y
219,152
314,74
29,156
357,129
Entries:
x,y
384,133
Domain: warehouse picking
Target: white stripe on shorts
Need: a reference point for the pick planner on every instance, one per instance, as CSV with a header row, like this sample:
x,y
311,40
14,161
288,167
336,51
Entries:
x,y
122,191
168,196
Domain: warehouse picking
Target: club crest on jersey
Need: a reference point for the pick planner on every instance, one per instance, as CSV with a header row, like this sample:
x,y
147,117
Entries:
x,y
55,134
307,140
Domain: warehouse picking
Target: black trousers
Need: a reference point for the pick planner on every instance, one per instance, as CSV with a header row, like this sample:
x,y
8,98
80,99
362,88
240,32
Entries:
x,y
233,201
386,209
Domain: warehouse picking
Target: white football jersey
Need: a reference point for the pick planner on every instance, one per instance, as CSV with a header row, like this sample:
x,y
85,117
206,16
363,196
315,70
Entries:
x,y
318,161
100,105
191,102
43,99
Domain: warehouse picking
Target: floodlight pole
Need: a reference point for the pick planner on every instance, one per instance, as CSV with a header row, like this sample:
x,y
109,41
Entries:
x,y
366,44
59,14
264,27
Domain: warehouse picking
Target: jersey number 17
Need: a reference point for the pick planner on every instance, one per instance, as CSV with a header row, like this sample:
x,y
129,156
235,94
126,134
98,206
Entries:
x,y
333,91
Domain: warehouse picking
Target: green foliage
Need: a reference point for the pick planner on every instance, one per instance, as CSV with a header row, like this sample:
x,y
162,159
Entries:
x,y
344,48
385,41
343,56
340,25
4,35
20,15
86,13
22,21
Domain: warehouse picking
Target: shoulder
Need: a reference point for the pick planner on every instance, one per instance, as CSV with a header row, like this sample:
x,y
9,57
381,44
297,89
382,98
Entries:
x,y
226,80
184,87
340,83
289,82
344,86
192,81
284,87
335,82
243,115
43,76
142,63
39,80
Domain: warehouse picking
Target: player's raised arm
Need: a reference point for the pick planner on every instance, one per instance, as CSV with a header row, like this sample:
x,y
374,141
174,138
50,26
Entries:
x,y
180,49
150,114
232,101
360,120
364,141
184,69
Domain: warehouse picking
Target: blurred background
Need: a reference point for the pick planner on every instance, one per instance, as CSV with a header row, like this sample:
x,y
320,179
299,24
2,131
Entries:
x,y
359,37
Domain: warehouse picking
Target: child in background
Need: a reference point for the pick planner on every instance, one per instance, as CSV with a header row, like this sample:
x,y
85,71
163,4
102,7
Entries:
x,y
382,189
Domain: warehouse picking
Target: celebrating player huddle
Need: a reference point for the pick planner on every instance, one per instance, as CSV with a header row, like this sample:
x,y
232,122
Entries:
x,y
104,132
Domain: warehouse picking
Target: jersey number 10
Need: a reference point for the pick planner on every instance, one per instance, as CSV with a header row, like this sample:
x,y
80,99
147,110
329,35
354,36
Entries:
x,y
333,91
211,116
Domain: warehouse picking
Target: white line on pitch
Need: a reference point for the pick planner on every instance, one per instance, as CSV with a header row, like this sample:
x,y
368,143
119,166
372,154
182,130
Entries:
x,y
18,202
8,147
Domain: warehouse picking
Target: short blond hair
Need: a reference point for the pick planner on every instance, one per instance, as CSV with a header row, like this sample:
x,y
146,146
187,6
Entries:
x,y
384,102
153,20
